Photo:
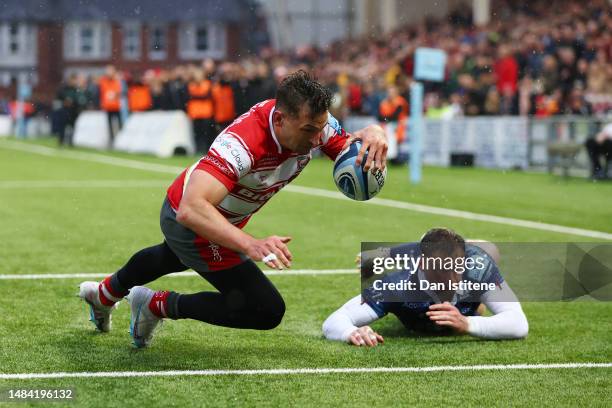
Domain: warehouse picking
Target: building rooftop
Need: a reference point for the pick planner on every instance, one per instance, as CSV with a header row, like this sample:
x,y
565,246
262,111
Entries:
x,y
122,10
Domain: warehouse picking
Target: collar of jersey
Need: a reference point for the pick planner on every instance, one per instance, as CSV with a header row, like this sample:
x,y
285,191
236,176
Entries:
x,y
280,149
434,295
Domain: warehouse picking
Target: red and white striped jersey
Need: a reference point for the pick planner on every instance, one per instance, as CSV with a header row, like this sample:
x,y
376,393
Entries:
x,y
248,159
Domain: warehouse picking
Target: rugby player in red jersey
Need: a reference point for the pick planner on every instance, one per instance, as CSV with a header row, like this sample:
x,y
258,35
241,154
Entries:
x,y
208,205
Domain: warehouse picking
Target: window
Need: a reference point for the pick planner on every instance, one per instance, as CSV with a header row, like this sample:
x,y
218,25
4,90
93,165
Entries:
x,y
17,44
131,41
87,40
14,38
201,40
157,42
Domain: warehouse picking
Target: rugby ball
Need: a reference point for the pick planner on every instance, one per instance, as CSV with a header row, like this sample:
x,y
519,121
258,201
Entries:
x,y
352,180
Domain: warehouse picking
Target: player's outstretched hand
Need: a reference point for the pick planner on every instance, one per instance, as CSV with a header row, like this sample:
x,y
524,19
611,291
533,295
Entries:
x,y
365,336
372,137
445,314
272,251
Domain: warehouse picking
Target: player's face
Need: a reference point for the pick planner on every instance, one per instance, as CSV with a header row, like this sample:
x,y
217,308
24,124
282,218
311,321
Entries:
x,y
302,132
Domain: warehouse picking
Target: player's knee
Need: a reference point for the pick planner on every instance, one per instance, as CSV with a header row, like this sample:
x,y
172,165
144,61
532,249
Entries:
x,y
273,314
265,312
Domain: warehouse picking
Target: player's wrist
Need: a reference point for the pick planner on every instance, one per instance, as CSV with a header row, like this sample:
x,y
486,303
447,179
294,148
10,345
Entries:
x,y
472,325
246,242
346,334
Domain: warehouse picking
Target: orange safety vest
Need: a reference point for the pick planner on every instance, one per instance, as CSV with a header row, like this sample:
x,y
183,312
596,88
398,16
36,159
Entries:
x,y
388,108
139,98
110,92
200,104
223,97
28,108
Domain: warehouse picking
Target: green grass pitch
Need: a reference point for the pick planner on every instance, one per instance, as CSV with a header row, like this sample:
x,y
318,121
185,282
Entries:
x,y
49,226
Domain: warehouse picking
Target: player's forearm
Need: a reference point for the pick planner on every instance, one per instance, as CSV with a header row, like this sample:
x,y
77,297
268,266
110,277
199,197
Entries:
x,y
206,221
338,326
344,321
509,324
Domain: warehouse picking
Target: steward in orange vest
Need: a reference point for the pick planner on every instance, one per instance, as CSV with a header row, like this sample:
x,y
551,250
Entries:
x,y
394,108
110,97
200,108
139,97
223,98
200,104
110,92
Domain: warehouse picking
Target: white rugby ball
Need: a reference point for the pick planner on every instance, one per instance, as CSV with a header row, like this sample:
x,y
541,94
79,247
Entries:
x,y
352,180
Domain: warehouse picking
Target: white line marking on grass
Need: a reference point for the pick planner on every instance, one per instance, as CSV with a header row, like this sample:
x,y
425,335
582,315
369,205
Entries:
x,y
289,371
92,157
291,272
17,184
515,222
161,168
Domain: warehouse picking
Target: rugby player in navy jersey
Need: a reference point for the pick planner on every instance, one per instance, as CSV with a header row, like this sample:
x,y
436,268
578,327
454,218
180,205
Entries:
x,y
434,300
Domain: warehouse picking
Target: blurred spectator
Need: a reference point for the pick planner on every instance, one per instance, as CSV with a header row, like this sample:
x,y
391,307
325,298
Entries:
x,y
4,103
70,106
139,96
394,109
110,93
577,104
506,70
200,109
355,97
599,148
176,88
223,100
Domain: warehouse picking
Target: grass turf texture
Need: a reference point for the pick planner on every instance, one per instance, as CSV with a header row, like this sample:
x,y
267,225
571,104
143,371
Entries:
x,y
44,327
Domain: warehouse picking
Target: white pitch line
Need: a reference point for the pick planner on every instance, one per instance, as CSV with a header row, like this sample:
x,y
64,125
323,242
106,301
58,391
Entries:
x,y
161,168
27,184
293,371
92,157
515,222
291,272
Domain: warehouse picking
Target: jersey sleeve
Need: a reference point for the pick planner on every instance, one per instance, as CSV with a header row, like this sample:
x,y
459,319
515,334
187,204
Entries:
x,y
485,269
385,301
334,137
228,159
374,299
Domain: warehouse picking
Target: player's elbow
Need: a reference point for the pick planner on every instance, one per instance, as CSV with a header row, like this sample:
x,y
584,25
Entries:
x,y
184,215
327,327
333,326
519,328
522,328
187,215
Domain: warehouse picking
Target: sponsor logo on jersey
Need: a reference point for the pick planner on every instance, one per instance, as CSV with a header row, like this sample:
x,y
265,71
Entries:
x,y
236,154
218,164
214,250
261,196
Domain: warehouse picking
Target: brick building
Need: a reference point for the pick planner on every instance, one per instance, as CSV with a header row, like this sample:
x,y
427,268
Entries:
x,y
42,41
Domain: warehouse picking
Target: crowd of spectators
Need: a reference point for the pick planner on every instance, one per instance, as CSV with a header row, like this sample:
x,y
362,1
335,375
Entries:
x,y
537,58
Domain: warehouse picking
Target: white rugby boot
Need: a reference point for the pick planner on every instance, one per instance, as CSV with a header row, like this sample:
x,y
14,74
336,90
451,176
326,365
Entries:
x,y
99,314
142,321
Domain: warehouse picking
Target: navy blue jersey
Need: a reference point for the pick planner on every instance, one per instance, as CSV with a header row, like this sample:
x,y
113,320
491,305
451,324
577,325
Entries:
x,y
410,306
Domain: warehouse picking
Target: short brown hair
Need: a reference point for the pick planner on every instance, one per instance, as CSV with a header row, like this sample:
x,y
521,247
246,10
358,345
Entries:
x,y
442,241
298,88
